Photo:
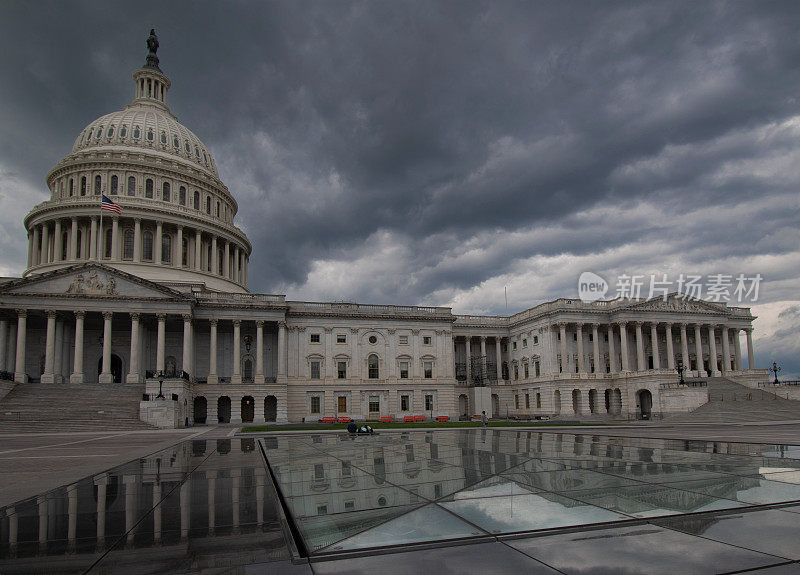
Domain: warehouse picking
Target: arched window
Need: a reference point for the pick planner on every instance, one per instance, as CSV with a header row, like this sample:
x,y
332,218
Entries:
x,y
64,244
372,362
123,131
71,187
127,245
136,133
186,147
147,246
175,142
148,188
208,205
197,152
114,185
109,239
217,209
99,132
166,248
97,185
165,191
83,185
89,135
111,131
131,186
182,195
185,253
164,138
197,200
150,134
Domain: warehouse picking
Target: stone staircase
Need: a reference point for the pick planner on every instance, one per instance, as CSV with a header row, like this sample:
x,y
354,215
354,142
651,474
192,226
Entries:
x,y
39,407
731,402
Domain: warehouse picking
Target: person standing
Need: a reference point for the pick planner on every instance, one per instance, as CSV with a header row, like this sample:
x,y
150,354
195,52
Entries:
x,y
484,419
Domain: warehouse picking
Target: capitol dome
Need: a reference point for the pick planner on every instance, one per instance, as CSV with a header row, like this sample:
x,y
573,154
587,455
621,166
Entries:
x,y
176,218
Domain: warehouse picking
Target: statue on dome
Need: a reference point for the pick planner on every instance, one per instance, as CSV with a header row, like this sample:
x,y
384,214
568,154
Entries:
x,y
152,48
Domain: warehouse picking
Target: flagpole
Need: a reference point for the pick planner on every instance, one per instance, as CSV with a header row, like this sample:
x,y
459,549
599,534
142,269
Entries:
x,y
100,231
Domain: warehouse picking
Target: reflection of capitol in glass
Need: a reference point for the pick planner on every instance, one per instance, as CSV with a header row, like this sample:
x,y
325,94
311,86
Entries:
x,y
217,497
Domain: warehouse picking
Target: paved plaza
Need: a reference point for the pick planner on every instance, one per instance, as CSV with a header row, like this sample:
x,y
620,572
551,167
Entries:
x,y
633,499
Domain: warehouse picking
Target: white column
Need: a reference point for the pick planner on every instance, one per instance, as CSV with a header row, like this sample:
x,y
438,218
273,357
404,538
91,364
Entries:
x,y
282,352
562,327
214,257
623,345
612,352
133,375
698,349
36,256
498,351
45,243
3,343
30,248
726,350
236,376
186,358
654,345
198,250
212,353
157,242
737,349
596,349
58,358
712,352
160,341
751,362
57,239
226,262
50,347
73,240
77,369
19,364
687,364
579,335
105,375
640,363
115,238
468,349
179,248
670,347
259,350
137,239
93,240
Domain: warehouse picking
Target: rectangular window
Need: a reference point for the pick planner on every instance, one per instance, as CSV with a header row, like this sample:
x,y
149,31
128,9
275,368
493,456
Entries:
x,y
538,400
526,371
409,453
374,404
319,471
527,401
350,505
513,345
341,369
341,404
403,370
536,340
426,340
574,337
322,509
516,372
403,403
314,370
428,402
427,367
346,470
403,340
524,343
536,368
341,338
516,401
437,490
591,337
315,404
314,338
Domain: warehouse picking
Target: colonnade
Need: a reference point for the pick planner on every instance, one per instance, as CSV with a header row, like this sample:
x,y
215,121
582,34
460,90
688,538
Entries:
x,y
484,361
80,239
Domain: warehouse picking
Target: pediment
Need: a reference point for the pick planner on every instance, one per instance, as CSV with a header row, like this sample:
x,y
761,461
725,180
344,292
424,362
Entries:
x,y
90,280
678,303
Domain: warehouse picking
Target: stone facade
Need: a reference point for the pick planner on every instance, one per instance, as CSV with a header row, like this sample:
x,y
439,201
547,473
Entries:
x,y
157,296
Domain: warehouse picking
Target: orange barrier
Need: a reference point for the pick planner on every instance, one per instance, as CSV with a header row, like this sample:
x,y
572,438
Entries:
x,y
408,418
343,419
328,420
387,419
419,418
442,418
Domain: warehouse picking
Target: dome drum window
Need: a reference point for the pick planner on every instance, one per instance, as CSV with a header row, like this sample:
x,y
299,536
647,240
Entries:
x,y
150,135
166,248
165,192
114,185
89,135
176,143
148,188
164,138
123,131
131,186
182,196
127,245
147,246
83,185
99,132
208,205
111,131
98,185
136,132
197,201
187,147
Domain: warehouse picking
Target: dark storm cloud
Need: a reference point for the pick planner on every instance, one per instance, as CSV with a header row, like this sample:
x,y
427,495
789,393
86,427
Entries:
x,y
413,152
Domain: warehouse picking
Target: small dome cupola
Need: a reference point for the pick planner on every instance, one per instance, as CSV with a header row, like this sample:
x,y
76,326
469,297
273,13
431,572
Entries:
x,y
151,84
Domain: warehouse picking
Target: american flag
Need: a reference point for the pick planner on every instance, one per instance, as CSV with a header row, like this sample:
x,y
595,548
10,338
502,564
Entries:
x,y
110,206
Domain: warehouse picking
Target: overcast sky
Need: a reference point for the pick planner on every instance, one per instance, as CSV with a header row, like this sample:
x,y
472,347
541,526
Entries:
x,y
437,153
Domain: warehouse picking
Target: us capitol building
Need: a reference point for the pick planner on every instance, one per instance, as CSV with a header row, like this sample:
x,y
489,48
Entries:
x,y
156,297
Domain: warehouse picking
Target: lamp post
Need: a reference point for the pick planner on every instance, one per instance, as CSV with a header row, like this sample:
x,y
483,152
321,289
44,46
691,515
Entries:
x,y
775,369
247,342
680,369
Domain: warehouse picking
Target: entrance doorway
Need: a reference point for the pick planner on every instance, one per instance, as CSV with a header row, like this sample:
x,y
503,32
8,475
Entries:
x,y
200,409
270,408
463,405
645,403
495,405
248,409
224,409
116,367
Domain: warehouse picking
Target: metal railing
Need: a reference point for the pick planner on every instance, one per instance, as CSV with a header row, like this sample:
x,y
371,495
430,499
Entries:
x,y
685,384
367,309
779,383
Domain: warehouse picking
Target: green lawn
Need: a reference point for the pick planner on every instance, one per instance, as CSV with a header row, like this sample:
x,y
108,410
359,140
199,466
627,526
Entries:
x,y
416,425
